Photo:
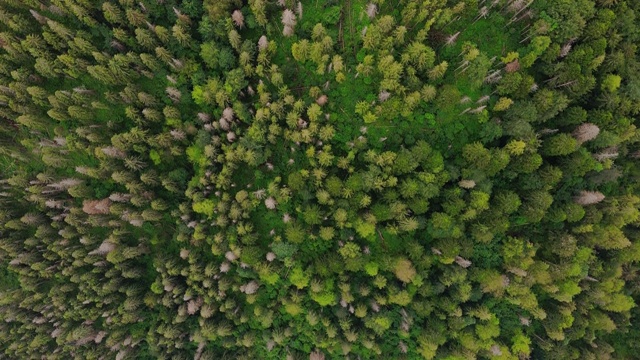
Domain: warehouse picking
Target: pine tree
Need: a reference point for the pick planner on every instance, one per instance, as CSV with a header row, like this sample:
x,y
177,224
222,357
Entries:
x,y
561,144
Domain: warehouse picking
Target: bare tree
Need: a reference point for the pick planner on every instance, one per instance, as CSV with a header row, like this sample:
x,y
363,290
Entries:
x,y
589,197
238,18
93,207
371,10
586,132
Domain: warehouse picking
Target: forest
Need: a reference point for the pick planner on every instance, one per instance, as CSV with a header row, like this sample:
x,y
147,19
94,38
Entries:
x,y
319,179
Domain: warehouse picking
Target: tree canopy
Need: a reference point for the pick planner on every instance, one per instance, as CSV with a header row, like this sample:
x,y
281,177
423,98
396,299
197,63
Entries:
x,y
413,179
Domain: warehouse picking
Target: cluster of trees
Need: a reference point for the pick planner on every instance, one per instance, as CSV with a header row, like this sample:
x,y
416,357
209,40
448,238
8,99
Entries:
x,y
300,179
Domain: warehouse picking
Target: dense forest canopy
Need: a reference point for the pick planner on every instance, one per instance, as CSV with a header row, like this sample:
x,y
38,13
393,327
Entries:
x,y
333,179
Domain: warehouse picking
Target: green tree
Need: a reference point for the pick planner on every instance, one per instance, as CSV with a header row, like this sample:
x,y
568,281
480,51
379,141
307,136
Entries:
x,y
558,145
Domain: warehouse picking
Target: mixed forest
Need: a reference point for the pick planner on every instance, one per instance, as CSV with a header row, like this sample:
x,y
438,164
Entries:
x,y
319,179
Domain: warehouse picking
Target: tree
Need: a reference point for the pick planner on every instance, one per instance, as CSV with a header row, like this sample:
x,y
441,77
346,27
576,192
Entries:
x,y
238,18
419,55
586,132
295,233
289,21
589,197
145,38
611,83
404,270
258,10
299,278
503,104
112,13
558,145
476,155
438,71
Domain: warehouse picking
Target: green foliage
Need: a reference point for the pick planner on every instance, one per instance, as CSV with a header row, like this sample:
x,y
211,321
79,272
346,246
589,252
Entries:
x,y
365,229
295,233
299,278
244,179
404,270
371,268
206,207
324,298
611,83
561,144
155,157
350,250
